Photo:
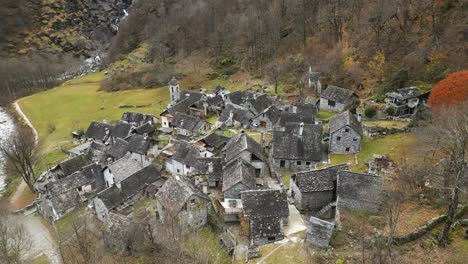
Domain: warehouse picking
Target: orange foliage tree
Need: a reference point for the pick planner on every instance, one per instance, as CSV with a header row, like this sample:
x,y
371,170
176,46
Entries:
x,y
451,91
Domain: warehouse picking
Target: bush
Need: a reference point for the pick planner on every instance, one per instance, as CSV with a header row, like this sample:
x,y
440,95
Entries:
x,y
391,111
51,128
370,112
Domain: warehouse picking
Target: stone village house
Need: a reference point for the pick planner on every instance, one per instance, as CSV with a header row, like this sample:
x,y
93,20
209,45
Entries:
x,y
405,100
181,204
266,212
338,99
345,134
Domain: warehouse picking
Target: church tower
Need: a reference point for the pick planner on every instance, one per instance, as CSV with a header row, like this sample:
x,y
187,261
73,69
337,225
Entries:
x,y
174,91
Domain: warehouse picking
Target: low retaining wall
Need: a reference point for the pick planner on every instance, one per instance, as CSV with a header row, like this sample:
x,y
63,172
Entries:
x,y
418,233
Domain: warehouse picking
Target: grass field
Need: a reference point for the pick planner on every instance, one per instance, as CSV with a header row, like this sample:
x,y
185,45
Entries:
x,y
325,115
389,145
386,124
58,112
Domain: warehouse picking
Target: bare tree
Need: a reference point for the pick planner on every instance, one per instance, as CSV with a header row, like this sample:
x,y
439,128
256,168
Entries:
x,y
20,152
14,241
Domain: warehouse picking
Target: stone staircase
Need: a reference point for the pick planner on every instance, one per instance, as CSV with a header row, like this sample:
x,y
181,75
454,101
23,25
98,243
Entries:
x,y
325,209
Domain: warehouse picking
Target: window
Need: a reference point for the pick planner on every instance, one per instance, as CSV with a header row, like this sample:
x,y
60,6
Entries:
x,y
346,130
331,103
192,201
255,158
187,167
354,139
347,149
338,138
282,163
308,163
178,170
258,173
299,163
271,238
263,123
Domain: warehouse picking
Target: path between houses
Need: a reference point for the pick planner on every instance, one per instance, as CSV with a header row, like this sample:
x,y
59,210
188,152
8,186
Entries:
x,y
27,121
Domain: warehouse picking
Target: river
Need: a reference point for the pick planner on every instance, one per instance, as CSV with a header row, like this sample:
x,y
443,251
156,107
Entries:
x,y
6,130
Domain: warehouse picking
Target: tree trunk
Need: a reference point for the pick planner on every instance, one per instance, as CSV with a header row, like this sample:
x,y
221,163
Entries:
x,y
452,208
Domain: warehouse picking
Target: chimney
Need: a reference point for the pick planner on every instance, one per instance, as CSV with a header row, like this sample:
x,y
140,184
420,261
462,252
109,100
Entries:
x,y
301,128
210,167
294,109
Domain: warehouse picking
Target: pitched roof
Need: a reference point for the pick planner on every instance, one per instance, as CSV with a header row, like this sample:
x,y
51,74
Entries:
x,y
65,201
344,119
240,97
304,109
187,154
289,144
212,168
98,130
96,151
132,185
265,227
238,171
74,164
187,122
260,103
176,192
88,175
195,96
404,93
272,113
215,140
264,203
337,94
215,100
239,143
241,115
318,180
312,100
118,149
362,188
287,117
173,81
125,167
139,144
121,130
146,128
137,118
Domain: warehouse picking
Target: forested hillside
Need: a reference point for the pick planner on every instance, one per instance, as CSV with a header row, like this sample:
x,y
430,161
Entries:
x,y
356,43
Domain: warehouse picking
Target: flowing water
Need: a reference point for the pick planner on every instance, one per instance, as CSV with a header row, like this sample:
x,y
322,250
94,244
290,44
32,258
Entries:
x,y
6,130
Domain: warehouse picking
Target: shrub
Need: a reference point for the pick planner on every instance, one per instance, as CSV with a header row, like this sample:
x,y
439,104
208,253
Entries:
x,y
391,111
370,112
51,128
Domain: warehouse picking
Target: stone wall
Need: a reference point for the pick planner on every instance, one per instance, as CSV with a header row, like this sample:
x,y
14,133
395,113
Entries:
x,y
337,108
358,191
310,201
350,139
234,191
319,232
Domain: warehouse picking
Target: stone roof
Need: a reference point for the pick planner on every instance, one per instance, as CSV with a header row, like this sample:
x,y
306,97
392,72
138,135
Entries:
x,y
80,149
338,94
289,144
303,109
312,100
187,122
359,191
242,142
96,151
264,203
240,97
138,119
344,119
132,185
195,96
187,154
122,130
287,117
176,192
212,168
173,81
272,113
215,100
146,128
241,115
118,149
65,201
215,140
99,130
74,164
88,175
238,171
265,227
260,103
318,180
404,93
124,167
139,144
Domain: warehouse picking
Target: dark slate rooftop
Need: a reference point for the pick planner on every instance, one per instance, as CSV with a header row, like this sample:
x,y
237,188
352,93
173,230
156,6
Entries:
x,y
240,97
238,171
96,151
272,113
124,167
303,109
187,154
88,175
122,130
265,227
65,201
99,130
264,203
215,100
215,140
318,180
288,144
287,117
139,144
137,118
337,94
187,122
241,115
176,192
173,81
132,185
260,103
146,128
344,119
118,149
214,172
242,142
74,164
404,93
195,96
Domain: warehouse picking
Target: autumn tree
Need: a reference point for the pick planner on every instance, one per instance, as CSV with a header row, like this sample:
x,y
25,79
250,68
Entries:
x,y
451,91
